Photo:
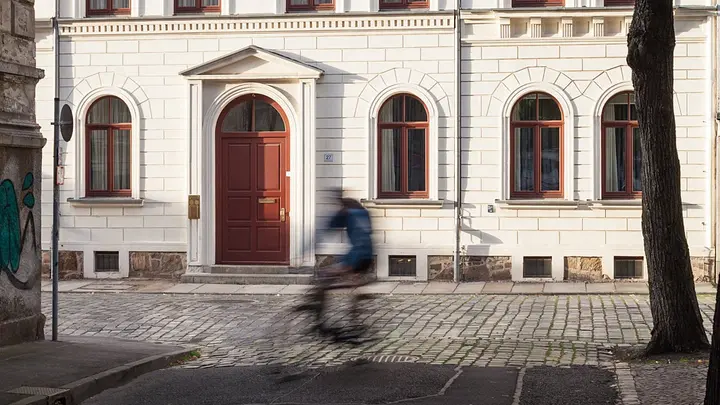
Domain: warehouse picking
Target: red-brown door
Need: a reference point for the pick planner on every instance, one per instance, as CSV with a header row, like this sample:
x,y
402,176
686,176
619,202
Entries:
x,y
252,197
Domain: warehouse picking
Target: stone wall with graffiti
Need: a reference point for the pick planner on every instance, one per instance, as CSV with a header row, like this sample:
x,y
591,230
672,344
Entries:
x,y
21,146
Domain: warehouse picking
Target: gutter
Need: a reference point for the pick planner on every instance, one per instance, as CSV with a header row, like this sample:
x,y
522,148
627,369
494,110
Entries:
x,y
458,141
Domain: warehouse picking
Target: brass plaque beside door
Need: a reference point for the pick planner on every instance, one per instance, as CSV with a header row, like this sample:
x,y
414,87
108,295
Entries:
x,y
194,207
267,200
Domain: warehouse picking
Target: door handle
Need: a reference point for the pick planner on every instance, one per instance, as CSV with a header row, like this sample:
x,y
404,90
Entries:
x,y
282,214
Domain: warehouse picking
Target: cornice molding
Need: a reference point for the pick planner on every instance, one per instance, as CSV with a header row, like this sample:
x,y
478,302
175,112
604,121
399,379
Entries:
x,y
277,24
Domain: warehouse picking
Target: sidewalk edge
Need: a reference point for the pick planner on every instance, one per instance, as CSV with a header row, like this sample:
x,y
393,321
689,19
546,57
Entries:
x,y
83,389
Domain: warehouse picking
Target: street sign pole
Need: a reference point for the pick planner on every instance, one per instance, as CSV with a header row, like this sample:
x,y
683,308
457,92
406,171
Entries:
x,y
56,191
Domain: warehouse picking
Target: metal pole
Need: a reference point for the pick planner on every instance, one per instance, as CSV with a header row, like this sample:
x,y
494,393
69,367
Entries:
x,y
56,191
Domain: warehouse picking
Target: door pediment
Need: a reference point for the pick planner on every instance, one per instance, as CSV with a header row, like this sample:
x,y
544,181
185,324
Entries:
x,y
252,63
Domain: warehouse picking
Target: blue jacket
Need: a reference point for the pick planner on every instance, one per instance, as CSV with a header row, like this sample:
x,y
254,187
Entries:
x,y
359,230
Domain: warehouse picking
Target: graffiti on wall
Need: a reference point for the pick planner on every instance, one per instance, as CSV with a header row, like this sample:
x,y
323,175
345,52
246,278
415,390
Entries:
x,y
12,235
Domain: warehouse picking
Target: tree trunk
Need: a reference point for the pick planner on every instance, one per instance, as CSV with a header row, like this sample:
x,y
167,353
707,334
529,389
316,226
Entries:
x,y
712,390
676,316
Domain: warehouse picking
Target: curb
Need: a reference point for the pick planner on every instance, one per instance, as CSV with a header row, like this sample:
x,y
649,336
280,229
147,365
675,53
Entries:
x,y
81,390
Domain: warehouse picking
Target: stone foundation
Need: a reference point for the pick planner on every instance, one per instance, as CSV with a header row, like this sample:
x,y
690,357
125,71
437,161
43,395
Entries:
x,y
473,268
22,330
70,264
579,268
440,268
164,265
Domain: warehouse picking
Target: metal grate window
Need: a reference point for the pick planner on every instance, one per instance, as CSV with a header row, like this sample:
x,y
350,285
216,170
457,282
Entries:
x,y
537,267
628,267
402,266
107,261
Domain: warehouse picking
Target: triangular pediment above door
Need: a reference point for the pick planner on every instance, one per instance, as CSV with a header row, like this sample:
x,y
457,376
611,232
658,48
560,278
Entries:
x,y
253,63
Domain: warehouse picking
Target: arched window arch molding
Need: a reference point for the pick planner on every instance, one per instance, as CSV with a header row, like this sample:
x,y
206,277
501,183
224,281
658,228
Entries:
x,y
433,132
302,169
80,134
568,111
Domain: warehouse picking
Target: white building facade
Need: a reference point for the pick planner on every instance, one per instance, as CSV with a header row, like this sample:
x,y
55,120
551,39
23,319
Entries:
x,y
208,132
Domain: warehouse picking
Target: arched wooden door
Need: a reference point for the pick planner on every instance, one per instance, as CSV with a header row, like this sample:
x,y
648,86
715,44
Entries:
x,y
253,190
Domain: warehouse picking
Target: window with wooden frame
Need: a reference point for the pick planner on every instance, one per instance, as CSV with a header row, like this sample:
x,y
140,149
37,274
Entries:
x,y
108,148
621,152
310,5
108,7
403,148
536,154
538,3
197,6
401,4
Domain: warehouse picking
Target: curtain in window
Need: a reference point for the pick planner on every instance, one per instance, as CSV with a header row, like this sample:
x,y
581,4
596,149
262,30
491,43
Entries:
x,y
98,159
524,159
550,163
416,159
615,159
186,3
207,3
98,4
391,159
121,160
121,4
637,161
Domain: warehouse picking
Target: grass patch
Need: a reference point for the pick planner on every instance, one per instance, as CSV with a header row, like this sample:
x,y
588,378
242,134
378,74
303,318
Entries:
x,y
193,355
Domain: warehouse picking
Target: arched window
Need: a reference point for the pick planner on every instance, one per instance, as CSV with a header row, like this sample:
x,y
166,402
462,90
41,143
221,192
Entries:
x,y
108,148
621,154
255,114
536,158
403,148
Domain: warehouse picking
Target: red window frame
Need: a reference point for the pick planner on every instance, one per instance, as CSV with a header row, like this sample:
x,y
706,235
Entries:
x,y
110,128
537,3
311,6
537,125
404,126
629,126
405,4
109,10
198,8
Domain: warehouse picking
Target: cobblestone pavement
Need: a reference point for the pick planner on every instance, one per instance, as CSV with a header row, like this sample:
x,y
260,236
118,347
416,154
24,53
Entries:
x,y
488,330
653,381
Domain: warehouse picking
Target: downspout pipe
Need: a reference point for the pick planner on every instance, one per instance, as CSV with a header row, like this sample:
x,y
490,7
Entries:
x,y
56,160
458,141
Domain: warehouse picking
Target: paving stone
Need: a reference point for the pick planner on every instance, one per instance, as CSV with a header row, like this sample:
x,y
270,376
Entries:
x,y
528,288
438,287
183,288
565,288
217,289
470,288
498,288
410,288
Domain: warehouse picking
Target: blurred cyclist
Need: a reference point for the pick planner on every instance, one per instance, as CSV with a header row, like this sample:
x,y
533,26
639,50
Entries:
x,y
354,268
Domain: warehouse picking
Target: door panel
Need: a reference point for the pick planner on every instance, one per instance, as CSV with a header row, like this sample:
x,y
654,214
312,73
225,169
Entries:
x,y
252,191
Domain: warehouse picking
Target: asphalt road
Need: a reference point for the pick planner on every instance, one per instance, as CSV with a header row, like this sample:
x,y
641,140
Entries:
x,y
370,383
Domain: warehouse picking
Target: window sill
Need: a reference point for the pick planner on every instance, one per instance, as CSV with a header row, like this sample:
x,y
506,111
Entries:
x,y
616,204
403,203
538,204
106,202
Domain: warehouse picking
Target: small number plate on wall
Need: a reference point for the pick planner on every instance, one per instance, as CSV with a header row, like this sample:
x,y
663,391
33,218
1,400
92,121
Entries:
x,y
329,158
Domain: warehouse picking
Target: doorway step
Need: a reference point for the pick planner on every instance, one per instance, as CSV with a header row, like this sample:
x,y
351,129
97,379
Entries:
x,y
225,274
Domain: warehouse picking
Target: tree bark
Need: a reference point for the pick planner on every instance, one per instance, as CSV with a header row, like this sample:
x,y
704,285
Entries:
x,y
676,316
712,389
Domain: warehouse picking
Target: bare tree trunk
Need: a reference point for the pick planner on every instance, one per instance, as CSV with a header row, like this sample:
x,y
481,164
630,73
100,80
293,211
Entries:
x,y
676,315
712,389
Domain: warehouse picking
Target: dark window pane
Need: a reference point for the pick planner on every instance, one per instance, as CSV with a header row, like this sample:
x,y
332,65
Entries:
x,y
100,112
320,2
525,109
414,110
98,160
548,109
402,266
633,109
121,4
187,3
615,154
107,261
121,160
637,161
119,111
98,4
524,159
628,267
299,2
537,267
391,160
617,108
267,118
550,159
207,3
392,111
416,160
239,118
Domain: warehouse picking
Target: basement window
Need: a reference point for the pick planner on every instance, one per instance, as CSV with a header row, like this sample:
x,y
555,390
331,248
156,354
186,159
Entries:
x,y
537,267
106,262
403,266
628,267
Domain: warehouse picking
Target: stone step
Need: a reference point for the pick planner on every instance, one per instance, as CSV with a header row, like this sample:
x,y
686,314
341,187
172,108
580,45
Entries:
x,y
270,270
210,278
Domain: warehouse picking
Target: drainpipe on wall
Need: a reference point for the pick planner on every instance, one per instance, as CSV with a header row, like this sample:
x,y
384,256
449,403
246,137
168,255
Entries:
x,y
56,158
458,142
712,263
